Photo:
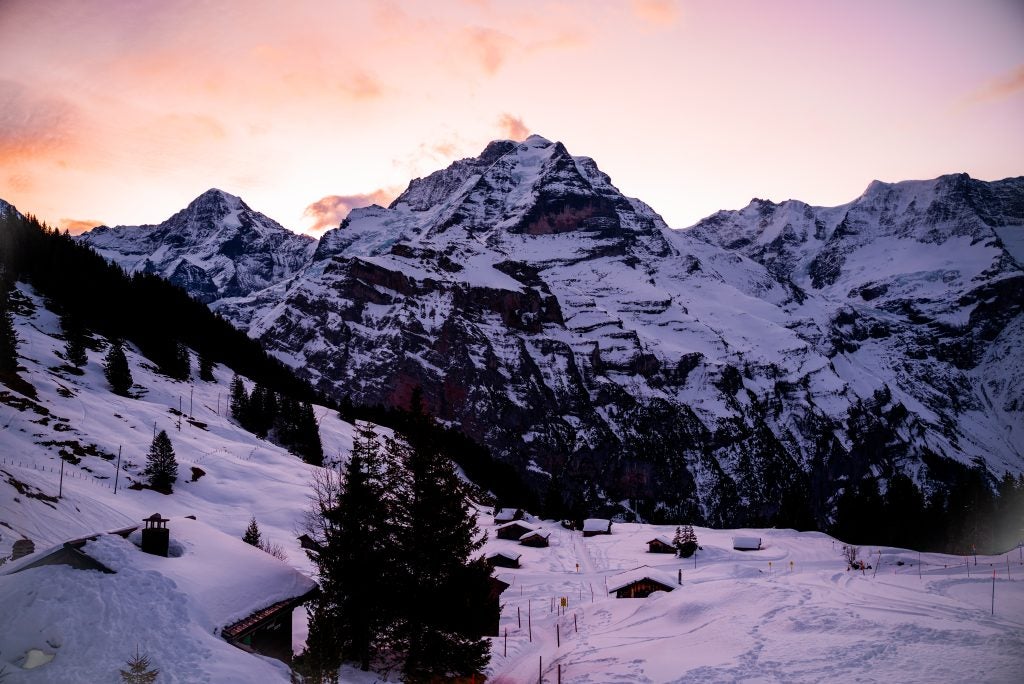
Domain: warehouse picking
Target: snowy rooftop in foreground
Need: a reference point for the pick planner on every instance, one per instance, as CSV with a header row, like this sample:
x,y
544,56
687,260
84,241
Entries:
x,y
227,579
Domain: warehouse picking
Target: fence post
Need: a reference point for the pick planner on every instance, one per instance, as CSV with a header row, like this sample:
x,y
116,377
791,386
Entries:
x,y
117,471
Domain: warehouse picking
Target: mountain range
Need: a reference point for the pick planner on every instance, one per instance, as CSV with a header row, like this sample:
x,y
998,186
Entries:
x,y
778,353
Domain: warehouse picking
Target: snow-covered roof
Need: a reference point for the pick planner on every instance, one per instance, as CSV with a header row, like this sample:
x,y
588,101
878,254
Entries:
x,y
506,514
543,534
511,555
746,542
226,578
623,579
516,522
663,539
596,525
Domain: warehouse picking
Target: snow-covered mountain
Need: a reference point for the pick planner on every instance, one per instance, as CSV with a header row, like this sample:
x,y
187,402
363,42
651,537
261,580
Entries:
x,y
216,247
680,372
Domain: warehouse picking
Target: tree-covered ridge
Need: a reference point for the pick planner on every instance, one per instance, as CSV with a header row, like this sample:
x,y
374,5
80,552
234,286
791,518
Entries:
x,y
156,316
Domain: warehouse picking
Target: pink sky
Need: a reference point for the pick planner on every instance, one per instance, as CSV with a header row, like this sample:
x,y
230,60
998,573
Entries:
x,y
122,112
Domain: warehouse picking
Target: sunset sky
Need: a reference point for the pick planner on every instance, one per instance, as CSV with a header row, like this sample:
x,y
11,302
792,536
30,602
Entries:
x,y
123,111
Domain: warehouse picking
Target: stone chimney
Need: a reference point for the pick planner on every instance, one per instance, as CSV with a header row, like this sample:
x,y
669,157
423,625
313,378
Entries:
x,y
156,538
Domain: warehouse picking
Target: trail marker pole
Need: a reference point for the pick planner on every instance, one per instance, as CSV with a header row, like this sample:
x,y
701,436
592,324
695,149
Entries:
x,y
529,619
558,631
117,472
575,626
191,392
679,580
60,488
540,669
1008,567
967,562
559,673
993,592
519,618
505,652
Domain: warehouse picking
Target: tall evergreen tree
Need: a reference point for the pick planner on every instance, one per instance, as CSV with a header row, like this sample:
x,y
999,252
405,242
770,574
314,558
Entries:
x,y
441,535
239,401
74,341
117,370
161,466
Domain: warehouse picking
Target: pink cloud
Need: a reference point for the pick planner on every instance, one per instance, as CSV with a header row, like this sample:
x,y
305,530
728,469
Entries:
x,y
328,212
489,47
1004,86
76,227
658,12
512,127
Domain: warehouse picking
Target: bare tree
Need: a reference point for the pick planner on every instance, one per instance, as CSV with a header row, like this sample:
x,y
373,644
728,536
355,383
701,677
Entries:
x,y
850,553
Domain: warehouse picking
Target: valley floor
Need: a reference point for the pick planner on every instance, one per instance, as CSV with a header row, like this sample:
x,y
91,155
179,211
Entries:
x,y
790,612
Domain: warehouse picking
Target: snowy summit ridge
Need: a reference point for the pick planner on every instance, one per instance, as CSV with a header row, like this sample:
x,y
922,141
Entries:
x,y
700,373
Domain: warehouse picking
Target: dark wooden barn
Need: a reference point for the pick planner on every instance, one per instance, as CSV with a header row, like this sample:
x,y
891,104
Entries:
x,y
503,559
660,545
537,539
640,583
513,530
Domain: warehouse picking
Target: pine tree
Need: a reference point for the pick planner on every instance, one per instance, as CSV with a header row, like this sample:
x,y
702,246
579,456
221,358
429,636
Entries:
x,y
206,368
239,401
161,466
117,370
677,539
441,535
252,534
139,671
74,341
687,542
8,337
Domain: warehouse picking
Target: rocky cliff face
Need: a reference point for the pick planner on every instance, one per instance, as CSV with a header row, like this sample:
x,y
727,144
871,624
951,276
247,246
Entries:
x,y
774,353
216,247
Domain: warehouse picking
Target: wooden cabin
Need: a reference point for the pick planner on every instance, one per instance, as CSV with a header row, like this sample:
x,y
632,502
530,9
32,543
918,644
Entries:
x,y
660,545
536,538
503,559
746,543
505,515
640,583
268,631
513,530
595,526
493,600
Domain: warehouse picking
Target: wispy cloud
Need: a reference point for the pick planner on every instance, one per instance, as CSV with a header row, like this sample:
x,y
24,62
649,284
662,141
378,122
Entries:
x,y
998,88
512,127
327,212
31,124
489,47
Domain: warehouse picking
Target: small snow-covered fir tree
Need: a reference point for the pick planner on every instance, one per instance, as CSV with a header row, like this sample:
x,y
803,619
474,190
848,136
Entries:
x,y
161,466
677,539
117,370
252,533
687,542
139,670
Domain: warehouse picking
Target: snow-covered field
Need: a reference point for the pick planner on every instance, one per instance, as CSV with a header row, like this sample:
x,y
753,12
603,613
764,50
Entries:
x,y
790,612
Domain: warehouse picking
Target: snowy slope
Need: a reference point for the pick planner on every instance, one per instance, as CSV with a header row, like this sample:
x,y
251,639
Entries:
x,y
216,247
243,477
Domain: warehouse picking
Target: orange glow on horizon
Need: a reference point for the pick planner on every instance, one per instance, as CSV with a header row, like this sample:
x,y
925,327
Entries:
x,y
124,112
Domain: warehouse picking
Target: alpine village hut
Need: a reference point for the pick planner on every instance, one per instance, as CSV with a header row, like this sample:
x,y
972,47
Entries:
x,y
505,515
746,543
661,544
503,559
537,539
595,526
513,530
255,615
639,583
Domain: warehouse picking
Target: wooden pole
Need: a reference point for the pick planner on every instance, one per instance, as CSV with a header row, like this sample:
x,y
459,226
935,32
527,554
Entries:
x,y
558,632
505,653
117,472
529,619
191,392
559,673
540,669
575,626
519,618
60,489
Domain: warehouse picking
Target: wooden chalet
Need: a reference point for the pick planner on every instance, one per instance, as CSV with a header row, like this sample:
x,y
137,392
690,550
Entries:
x,y
268,631
503,559
595,526
536,538
513,530
505,515
661,545
68,553
640,583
